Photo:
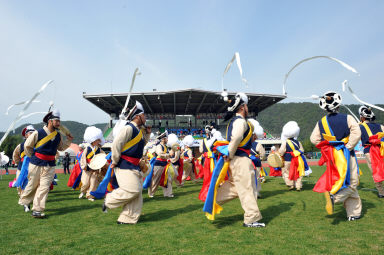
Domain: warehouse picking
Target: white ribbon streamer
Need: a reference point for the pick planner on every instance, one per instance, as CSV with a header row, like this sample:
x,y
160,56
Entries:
x,y
21,103
21,113
122,119
130,91
345,84
27,116
345,65
238,62
31,114
357,119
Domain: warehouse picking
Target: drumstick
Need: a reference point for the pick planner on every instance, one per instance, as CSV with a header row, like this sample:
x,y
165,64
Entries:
x,y
64,130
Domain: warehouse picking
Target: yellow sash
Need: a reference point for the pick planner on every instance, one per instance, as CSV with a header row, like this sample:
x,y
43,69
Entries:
x,y
216,207
46,139
150,155
340,160
166,174
209,152
22,154
90,155
297,154
248,137
133,141
262,172
165,150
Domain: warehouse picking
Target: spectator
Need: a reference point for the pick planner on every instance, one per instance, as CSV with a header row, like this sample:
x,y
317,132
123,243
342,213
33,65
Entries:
x,y
66,162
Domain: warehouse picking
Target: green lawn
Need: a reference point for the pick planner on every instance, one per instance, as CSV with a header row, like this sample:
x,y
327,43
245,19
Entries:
x,y
296,224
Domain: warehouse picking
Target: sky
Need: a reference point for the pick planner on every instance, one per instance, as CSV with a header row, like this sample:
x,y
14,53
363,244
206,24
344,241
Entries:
x,y
95,46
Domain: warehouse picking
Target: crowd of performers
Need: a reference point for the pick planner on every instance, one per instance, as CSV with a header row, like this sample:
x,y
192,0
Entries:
x,y
230,166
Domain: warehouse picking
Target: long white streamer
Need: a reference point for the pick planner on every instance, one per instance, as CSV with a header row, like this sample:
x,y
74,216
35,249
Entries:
x,y
345,84
21,113
122,118
345,65
350,111
31,114
21,103
238,62
130,90
27,116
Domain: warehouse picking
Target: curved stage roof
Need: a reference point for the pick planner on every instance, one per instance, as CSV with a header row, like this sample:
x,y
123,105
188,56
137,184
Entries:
x,y
179,102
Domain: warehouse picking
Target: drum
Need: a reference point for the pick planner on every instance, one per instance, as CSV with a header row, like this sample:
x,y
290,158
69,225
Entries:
x,y
102,172
275,160
143,165
98,161
4,159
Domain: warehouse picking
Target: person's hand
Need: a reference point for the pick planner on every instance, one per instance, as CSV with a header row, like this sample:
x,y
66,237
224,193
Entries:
x,y
148,130
226,159
70,137
113,166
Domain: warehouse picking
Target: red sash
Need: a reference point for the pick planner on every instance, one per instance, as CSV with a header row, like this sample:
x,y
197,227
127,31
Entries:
x,y
331,175
45,157
293,170
161,159
246,151
207,179
377,161
181,170
134,161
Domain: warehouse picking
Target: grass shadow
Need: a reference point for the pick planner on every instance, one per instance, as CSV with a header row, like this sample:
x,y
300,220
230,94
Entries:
x,y
227,221
61,199
166,214
71,209
271,212
268,194
275,210
342,215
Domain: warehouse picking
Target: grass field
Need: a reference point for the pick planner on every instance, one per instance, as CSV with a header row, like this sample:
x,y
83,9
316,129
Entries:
x,y
296,224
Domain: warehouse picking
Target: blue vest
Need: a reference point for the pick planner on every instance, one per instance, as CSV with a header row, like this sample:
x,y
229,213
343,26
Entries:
x,y
159,162
135,151
375,128
288,156
89,150
49,148
205,147
253,148
177,163
21,151
247,146
339,125
186,154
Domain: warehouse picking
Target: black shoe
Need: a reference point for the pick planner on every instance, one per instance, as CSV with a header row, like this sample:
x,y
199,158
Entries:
x,y
254,225
352,218
104,208
37,214
380,196
27,208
